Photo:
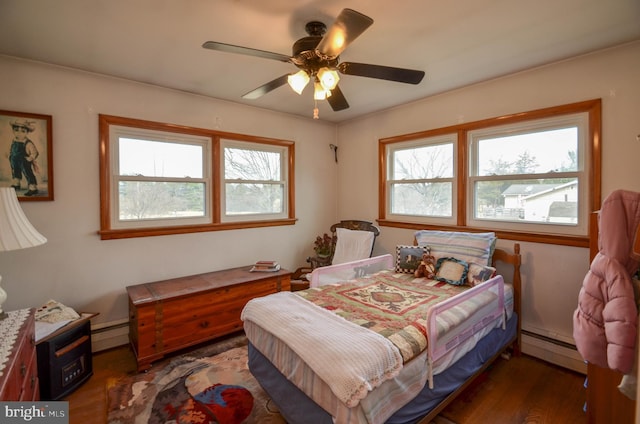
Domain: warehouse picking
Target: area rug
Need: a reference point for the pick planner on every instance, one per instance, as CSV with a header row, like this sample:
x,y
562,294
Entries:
x,y
210,385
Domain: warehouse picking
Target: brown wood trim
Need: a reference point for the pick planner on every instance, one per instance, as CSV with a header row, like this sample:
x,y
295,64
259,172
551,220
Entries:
x,y
592,107
595,134
108,233
576,241
292,181
382,180
514,259
105,194
164,231
68,348
593,240
462,173
216,178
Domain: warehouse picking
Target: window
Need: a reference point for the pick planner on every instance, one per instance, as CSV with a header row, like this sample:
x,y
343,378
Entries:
x,y
529,176
158,179
254,180
162,179
422,179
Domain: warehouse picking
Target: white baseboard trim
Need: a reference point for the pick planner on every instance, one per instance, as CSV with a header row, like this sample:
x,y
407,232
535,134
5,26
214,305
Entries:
x,y
555,353
108,335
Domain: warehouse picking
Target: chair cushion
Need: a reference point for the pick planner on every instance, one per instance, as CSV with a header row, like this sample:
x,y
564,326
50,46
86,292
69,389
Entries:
x,y
352,245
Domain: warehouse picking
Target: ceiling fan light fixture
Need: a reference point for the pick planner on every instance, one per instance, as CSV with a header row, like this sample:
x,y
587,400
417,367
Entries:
x,y
298,81
320,93
317,57
328,78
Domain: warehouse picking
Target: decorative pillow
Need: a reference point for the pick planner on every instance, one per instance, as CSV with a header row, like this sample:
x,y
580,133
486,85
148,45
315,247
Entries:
x,y
468,247
452,271
408,258
479,274
352,245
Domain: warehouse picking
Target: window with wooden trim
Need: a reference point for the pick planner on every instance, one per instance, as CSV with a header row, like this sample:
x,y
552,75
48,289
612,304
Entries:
x,y
529,176
158,179
255,181
421,179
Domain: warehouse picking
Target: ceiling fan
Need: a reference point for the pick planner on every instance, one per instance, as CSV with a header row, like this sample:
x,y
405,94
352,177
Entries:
x,y
318,58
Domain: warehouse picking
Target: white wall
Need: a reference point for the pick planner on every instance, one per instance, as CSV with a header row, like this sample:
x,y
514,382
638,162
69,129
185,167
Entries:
x,y
78,269
552,275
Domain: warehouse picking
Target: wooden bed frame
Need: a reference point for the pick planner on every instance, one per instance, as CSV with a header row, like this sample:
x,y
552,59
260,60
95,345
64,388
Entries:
x,y
514,260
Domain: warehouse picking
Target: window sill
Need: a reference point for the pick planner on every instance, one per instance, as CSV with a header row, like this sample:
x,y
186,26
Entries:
x,y
186,229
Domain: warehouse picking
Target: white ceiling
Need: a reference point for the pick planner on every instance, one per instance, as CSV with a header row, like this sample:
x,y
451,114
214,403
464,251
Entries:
x,y
456,43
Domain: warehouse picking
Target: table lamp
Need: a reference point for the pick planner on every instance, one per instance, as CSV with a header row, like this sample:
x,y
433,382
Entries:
x,y
16,232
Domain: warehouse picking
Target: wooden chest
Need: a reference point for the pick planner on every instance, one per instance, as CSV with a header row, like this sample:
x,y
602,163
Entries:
x,y
18,368
165,316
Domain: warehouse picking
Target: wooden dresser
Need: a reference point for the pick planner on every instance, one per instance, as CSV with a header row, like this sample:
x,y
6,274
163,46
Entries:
x,y
18,362
165,316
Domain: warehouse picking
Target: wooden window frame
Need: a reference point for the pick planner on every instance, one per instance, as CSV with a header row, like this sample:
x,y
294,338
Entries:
x,y
593,108
107,232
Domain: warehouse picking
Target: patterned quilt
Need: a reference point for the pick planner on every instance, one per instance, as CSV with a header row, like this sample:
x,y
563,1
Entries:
x,y
394,305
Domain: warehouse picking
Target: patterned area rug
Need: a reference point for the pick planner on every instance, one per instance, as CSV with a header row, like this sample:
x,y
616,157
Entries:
x,y
209,385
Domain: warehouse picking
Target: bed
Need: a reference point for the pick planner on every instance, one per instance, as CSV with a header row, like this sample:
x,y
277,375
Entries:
x,y
327,355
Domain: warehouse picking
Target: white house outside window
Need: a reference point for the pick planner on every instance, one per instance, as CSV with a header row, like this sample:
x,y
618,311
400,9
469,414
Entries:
x,y
532,176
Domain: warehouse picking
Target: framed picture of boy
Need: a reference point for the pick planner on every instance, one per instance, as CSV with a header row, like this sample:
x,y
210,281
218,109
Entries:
x,y
26,157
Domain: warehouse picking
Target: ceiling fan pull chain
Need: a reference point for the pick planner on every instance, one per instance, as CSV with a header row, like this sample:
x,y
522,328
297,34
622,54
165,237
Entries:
x,y
315,110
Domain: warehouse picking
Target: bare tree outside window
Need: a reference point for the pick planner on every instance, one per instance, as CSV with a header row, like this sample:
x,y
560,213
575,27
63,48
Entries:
x,y
253,181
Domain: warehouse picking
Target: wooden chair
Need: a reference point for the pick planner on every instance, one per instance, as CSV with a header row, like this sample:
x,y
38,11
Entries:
x,y
298,277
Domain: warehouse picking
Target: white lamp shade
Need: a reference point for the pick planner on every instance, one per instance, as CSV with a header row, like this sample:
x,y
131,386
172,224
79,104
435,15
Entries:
x,y
298,81
319,92
328,78
16,232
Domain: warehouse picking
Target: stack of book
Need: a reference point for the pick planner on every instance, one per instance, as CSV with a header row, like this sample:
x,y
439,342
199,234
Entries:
x,y
265,266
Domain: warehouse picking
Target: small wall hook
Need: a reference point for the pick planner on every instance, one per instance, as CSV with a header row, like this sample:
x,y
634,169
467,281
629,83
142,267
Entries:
x,y
335,151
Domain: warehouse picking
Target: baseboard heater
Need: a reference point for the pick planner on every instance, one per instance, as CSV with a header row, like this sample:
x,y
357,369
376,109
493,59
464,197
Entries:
x,y
97,329
110,334
552,350
549,340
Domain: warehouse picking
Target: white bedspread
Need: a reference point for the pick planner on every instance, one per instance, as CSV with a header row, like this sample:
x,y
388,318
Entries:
x,y
327,343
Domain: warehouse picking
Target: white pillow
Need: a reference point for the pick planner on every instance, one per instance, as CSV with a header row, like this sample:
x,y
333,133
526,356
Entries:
x,y
352,245
468,247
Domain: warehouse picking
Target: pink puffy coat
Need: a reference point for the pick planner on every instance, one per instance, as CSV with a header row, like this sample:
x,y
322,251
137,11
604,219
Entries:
x,y
605,322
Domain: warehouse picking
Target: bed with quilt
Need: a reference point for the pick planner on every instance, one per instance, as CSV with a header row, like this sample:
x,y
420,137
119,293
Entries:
x,y
370,342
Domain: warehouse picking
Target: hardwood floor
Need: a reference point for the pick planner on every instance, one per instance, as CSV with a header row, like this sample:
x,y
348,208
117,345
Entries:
x,y
519,390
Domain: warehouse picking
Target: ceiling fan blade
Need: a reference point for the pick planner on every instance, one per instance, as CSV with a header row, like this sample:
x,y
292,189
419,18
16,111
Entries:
x,y
264,89
408,76
337,101
346,28
230,48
